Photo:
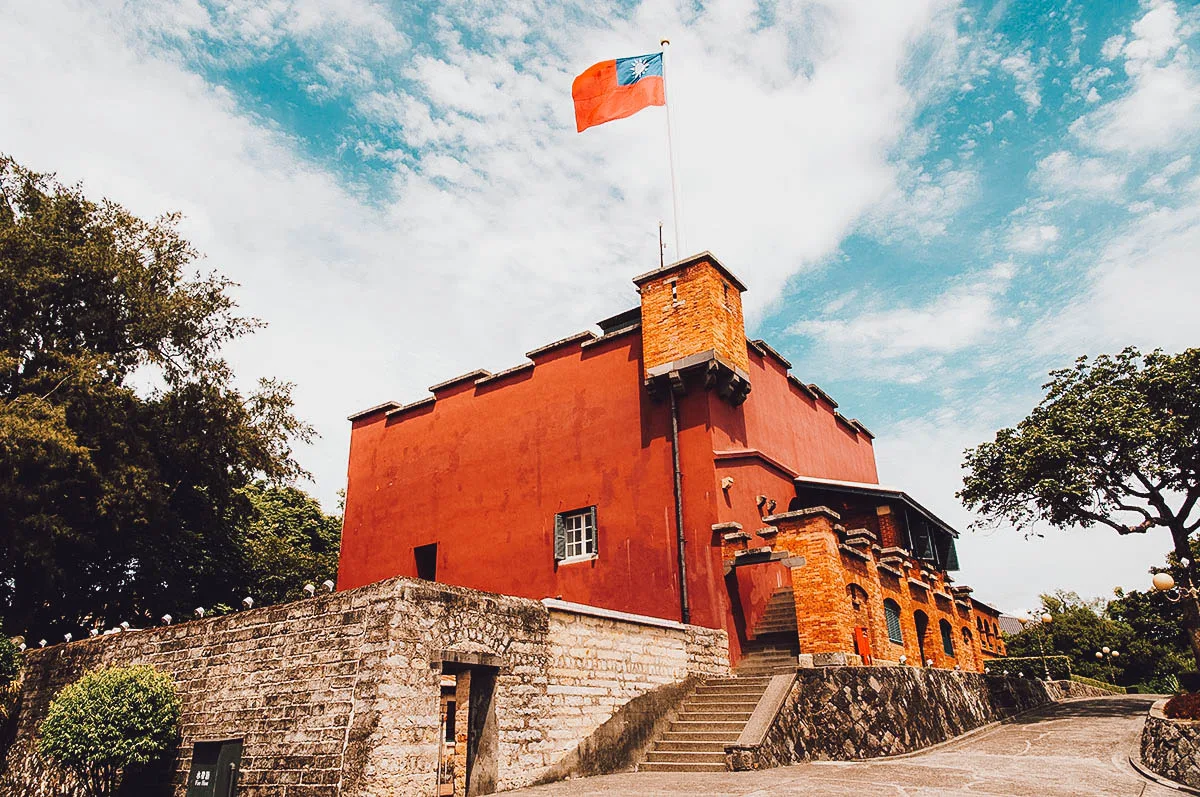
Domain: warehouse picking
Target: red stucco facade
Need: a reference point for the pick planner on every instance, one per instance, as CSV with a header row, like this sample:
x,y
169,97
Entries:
x,y
482,468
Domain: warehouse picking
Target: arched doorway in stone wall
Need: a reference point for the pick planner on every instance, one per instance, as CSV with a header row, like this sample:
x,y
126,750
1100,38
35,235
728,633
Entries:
x,y
922,621
860,609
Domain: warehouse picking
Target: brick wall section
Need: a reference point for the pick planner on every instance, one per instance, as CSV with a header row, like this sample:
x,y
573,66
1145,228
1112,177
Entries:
x,y
704,316
825,615
336,695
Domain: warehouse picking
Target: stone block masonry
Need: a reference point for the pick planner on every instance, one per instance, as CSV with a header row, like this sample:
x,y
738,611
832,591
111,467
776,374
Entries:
x,y
1171,747
340,694
849,713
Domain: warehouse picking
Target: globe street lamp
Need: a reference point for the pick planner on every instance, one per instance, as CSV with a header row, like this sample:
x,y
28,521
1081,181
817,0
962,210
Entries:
x,y
1108,654
1040,635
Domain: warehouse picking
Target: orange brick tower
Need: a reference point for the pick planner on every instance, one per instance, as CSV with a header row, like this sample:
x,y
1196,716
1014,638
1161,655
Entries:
x,y
692,323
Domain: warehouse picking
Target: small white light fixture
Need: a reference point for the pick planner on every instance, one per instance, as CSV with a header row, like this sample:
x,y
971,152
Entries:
x,y
1099,655
1163,582
928,662
1046,618
1106,649
21,647
199,611
1116,653
124,625
726,482
67,636
41,643
166,618
94,632
311,589
248,602
328,584
904,659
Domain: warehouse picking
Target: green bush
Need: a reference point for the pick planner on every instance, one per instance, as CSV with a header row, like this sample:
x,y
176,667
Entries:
x,y
10,661
1079,679
110,721
1031,666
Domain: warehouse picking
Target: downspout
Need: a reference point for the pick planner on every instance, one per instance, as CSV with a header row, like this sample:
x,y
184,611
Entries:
x,y
680,541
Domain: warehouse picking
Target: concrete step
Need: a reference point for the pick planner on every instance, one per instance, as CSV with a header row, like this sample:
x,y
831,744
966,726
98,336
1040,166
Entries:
x,y
691,746
673,766
719,706
714,716
707,726
731,693
673,757
717,737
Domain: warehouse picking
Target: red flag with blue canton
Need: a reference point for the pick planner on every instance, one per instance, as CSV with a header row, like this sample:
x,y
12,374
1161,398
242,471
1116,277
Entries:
x,y
615,89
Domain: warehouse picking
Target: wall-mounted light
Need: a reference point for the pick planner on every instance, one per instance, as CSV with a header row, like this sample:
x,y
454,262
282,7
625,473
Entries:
x,y
726,482
199,612
166,618
328,585
248,602
311,589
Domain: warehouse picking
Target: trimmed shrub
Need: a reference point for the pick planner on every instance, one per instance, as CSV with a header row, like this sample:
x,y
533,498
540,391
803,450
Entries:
x,y
1079,679
108,722
1031,666
1183,707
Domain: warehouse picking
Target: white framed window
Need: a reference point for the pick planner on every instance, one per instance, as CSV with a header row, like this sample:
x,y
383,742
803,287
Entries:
x,y
575,534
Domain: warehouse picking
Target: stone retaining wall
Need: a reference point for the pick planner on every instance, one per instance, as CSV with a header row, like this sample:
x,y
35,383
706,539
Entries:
x,y
340,694
1171,747
845,713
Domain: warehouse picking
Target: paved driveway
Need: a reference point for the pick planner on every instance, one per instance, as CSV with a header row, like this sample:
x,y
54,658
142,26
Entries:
x,y
1076,748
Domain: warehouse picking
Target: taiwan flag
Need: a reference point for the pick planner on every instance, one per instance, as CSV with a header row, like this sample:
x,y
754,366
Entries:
x,y
615,89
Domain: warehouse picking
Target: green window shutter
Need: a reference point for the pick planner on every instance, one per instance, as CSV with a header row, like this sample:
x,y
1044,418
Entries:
x,y
595,547
560,539
891,611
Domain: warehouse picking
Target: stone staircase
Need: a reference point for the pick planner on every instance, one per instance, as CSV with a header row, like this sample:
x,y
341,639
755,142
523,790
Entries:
x,y
714,715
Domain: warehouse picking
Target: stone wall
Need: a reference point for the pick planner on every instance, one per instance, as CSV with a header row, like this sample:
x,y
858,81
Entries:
x,y
340,694
845,713
1171,747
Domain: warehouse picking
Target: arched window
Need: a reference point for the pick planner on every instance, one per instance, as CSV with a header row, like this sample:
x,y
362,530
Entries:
x,y
967,637
947,637
858,596
891,611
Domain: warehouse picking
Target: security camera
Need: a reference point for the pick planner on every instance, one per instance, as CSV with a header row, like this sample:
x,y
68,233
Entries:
x,y
311,589
248,602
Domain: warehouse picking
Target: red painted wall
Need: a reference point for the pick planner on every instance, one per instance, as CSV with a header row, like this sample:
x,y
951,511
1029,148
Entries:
x,y
483,470
783,422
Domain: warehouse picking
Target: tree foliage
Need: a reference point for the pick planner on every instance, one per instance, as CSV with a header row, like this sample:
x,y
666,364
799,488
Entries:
x,y
1115,442
289,540
110,721
1144,628
126,449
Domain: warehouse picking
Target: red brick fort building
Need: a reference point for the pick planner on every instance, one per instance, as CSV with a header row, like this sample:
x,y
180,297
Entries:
x,y
667,467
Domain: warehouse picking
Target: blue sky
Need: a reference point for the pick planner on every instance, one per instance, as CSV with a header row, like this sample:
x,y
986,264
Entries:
x,y
933,203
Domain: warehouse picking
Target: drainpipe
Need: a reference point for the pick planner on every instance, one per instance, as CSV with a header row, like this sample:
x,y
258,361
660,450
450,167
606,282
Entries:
x,y
680,542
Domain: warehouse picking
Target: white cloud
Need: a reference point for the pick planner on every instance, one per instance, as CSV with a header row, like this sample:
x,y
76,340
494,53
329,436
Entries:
x,y
1032,238
505,228
1161,109
1161,181
1027,75
948,322
1065,173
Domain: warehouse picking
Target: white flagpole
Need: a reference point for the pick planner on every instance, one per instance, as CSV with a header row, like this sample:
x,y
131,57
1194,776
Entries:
x,y
675,198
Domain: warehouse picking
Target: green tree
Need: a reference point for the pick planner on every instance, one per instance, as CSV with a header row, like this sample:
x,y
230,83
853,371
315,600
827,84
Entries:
x,y
125,448
288,541
1077,629
1115,442
109,722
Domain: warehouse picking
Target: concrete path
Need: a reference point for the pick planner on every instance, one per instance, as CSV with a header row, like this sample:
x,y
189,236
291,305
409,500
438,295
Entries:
x,y
1076,748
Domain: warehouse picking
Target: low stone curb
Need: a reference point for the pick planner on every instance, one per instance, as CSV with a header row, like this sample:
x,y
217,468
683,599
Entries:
x,y
1135,759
